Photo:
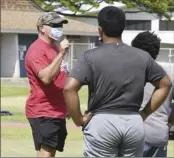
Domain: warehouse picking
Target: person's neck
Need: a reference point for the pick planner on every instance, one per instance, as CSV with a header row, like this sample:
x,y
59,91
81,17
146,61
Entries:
x,y
111,40
46,39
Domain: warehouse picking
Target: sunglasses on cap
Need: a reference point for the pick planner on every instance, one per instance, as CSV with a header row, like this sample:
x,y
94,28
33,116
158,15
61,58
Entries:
x,y
54,25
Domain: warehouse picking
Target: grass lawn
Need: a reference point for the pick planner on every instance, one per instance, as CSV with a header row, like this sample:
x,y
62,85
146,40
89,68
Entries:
x,y
24,91
14,91
17,140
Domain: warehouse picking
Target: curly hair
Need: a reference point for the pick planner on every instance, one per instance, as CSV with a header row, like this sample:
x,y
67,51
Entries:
x,y
148,42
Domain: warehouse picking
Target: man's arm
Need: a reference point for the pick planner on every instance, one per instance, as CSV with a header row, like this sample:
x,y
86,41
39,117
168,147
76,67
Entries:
x,y
171,116
47,74
173,91
158,97
72,86
79,76
158,77
73,103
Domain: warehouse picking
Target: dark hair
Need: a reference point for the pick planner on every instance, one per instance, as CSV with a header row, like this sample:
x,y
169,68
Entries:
x,y
112,20
148,42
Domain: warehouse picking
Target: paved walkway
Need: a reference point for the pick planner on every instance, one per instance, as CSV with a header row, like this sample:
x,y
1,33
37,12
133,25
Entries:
x,y
71,126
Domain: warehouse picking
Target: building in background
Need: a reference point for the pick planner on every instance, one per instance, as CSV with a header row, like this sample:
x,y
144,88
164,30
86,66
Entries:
x,y
18,31
136,22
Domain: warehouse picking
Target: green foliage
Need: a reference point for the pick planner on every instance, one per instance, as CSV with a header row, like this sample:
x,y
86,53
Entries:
x,y
160,7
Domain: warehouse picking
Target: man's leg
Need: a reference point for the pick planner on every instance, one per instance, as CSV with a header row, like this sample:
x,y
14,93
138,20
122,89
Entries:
x,y
34,123
155,151
46,151
49,135
162,152
133,140
102,136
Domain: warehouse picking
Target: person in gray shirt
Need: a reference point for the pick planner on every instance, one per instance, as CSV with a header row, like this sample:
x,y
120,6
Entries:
x,y
115,74
156,125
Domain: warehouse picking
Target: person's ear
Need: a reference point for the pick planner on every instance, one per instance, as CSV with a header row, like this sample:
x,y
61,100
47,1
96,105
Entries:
x,y
42,29
100,31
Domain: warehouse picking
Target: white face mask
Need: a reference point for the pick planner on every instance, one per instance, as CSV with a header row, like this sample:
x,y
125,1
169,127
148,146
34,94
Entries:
x,y
56,33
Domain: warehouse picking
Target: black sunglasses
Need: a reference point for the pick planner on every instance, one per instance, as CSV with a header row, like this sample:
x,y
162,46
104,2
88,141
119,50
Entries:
x,y
54,25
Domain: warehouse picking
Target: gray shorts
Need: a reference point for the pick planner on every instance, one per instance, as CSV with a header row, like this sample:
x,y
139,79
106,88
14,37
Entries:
x,y
114,135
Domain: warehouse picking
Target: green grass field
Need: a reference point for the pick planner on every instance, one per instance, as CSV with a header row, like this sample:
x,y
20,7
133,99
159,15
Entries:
x,y
16,139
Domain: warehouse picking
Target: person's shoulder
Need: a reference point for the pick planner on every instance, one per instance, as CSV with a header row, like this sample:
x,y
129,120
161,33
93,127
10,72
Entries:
x,y
138,53
93,50
90,53
136,50
35,49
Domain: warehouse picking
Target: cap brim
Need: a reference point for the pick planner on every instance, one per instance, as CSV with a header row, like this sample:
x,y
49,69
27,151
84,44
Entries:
x,y
64,21
59,21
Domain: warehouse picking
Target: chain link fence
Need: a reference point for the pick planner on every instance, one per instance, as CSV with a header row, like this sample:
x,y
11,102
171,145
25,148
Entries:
x,y
75,50
165,55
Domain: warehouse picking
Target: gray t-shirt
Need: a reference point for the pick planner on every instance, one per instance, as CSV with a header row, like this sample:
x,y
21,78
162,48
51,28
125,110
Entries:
x,y
156,127
116,75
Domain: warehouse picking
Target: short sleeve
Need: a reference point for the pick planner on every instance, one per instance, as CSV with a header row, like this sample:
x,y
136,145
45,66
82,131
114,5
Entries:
x,y
38,61
81,71
154,71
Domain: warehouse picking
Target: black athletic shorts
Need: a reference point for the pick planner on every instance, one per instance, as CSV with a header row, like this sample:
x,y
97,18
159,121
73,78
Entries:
x,y
50,132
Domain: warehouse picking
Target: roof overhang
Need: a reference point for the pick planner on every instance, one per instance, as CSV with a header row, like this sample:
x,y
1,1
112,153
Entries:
x,y
20,31
25,22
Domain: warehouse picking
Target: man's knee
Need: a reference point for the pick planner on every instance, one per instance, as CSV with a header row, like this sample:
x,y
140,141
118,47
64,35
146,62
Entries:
x,y
47,151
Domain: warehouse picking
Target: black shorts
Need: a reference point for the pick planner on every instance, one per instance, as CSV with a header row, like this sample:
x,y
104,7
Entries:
x,y
50,132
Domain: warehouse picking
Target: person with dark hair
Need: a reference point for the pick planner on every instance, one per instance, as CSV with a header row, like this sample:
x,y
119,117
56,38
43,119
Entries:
x,y
156,125
115,74
148,42
45,67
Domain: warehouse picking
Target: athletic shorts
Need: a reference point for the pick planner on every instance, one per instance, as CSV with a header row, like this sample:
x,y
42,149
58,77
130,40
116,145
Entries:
x,y
50,132
114,135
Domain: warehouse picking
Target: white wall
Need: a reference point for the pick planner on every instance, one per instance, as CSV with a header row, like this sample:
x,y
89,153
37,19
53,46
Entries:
x,y
89,21
155,25
166,36
128,35
141,16
9,55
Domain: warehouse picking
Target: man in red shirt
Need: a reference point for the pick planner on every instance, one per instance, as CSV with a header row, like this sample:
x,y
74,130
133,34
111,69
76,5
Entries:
x,y
45,107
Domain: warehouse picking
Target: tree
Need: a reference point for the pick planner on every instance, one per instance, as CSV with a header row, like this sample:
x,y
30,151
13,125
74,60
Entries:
x,y
160,7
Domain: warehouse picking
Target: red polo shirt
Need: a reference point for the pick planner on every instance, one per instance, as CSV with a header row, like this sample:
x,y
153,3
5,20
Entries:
x,y
44,100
